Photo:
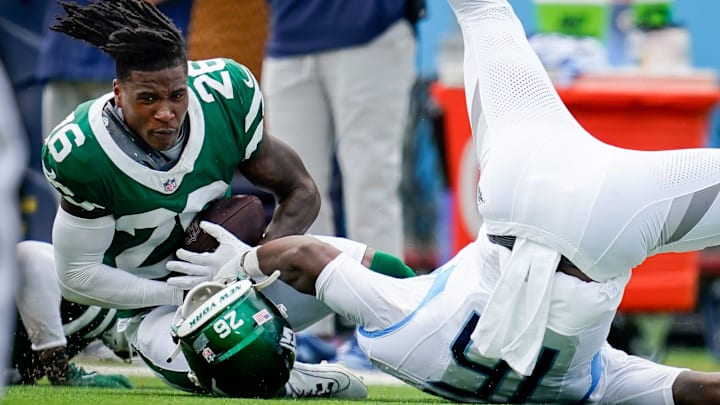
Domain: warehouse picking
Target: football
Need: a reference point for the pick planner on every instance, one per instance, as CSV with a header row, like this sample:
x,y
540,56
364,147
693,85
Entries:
x,y
242,215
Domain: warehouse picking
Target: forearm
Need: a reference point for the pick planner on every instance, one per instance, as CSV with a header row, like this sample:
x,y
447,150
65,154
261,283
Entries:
x,y
109,287
376,260
278,169
79,246
299,259
294,213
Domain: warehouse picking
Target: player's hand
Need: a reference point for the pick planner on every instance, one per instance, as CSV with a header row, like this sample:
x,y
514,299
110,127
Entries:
x,y
219,265
194,273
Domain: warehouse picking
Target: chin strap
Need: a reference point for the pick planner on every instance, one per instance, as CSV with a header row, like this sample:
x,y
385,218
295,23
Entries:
x,y
267,281
176,351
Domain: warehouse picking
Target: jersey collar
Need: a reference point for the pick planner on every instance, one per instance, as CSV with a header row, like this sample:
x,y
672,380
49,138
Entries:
x,y
165,182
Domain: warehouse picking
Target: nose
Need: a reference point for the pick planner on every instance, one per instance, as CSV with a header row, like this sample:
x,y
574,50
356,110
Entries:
x,y
164,113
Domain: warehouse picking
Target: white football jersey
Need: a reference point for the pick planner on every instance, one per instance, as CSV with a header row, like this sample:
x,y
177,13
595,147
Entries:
x,y
419,330
431,348
558,190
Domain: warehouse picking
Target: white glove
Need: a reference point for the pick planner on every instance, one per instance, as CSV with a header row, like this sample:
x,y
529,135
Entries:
x,y
220,265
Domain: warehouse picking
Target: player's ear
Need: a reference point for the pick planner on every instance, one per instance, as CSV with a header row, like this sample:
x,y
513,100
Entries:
x,y
117,91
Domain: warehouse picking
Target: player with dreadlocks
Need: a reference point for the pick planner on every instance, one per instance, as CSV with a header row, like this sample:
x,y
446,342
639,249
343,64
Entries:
x,y
136,165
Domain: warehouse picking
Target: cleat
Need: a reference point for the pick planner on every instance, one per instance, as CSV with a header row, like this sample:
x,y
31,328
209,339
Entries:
x,y
325,380
78,377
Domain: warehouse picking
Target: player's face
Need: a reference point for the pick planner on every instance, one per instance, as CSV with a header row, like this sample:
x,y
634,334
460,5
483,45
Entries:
x,y
154,104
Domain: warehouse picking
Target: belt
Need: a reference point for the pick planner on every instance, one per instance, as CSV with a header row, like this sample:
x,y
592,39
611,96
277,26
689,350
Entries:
x,y
565,265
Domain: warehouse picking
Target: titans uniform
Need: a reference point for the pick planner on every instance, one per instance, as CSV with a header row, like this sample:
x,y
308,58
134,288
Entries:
x,y
86,159
561,192
419,330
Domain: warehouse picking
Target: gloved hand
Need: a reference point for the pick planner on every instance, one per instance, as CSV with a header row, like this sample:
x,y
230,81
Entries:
x,y
220,265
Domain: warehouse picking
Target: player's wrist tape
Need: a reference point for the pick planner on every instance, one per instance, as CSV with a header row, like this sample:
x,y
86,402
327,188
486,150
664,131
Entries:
x,y
250,265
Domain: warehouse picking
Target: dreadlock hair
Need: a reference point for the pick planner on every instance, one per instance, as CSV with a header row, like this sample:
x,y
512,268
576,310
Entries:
x,y
133,32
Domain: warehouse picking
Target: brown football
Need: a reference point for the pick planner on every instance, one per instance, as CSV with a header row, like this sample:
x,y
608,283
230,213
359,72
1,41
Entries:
x,y
242,215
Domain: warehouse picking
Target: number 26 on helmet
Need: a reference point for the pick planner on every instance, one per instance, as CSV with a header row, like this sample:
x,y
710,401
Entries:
x,y
237,342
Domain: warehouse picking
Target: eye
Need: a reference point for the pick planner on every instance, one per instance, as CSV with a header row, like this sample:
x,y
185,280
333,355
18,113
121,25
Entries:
x,y
178,95
147,98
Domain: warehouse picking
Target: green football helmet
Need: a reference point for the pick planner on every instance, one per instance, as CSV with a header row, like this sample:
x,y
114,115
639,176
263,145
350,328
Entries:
x,y
237,342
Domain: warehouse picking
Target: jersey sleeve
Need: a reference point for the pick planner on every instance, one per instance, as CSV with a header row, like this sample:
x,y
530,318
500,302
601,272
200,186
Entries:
x,y
251,107
69,162
232,104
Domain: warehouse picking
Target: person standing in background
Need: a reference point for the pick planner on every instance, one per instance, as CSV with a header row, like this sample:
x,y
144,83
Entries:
x,y
337,77
74,71
13,160
229,29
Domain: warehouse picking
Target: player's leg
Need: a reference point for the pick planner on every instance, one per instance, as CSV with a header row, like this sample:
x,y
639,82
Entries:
x,y
42,323
41,317
297,112
150,336
688,195
370,99
505,82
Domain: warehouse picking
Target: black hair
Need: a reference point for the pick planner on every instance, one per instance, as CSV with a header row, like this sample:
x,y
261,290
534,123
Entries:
x,y
133,32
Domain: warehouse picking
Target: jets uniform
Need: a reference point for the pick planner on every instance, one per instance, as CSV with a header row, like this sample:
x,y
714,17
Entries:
x,y
92,159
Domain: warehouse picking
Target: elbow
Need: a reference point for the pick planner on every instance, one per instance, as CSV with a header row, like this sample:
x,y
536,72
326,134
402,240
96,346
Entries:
x,y
313,255
74,294
302,263
74,286
312,198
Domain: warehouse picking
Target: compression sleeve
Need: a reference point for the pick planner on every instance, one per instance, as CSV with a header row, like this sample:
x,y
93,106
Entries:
x,y
79,246
385,263
382,262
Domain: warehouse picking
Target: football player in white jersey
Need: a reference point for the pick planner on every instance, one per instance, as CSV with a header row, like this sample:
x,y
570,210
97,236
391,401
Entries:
x,y
556,194
420,329
522,313
12,165
134,167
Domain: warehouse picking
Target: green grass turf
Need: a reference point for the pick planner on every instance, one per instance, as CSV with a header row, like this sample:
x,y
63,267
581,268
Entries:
x,y
150,391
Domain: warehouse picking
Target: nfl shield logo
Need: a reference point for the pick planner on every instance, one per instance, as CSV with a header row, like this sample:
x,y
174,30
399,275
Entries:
x,y
208,354
170,184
